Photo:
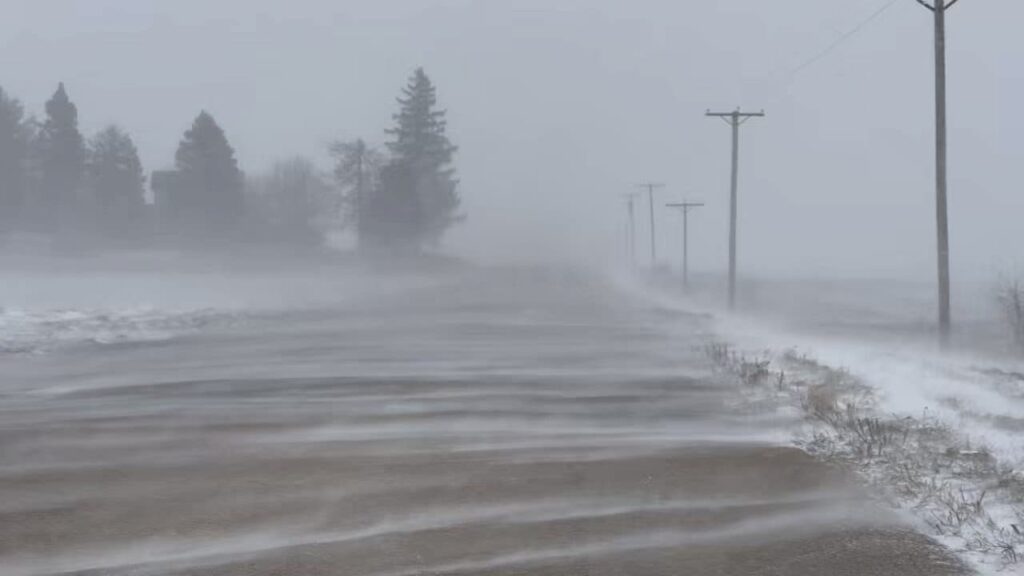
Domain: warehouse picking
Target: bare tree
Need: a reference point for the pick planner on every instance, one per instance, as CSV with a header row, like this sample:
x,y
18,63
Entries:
x,y
357,172
290,200
1010,296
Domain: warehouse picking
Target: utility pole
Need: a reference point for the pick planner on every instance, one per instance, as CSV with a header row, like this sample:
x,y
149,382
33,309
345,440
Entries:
x,y
631,241
686,207
651,186
939,7
735,119
360,184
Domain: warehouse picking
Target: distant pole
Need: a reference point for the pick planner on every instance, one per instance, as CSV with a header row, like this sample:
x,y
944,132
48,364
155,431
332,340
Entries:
x,y
360,184
651,186
735,119
939,7
631,241
686,207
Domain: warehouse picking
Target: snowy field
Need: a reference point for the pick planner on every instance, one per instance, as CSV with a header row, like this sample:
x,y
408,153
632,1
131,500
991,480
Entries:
x,y
879,336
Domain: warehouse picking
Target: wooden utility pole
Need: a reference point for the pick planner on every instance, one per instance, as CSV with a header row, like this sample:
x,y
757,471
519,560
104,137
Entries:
x,y
938,8
686,207
360,185
651,186
735,119
631,240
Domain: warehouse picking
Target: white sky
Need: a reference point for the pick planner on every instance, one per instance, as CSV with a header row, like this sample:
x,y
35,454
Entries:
x,y
559,106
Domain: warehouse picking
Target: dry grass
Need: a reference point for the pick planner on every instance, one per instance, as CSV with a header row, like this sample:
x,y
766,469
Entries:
x,y
916,462
751,371
957,509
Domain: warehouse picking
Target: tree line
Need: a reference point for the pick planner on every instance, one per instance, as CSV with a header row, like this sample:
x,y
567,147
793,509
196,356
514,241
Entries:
x,y
57,184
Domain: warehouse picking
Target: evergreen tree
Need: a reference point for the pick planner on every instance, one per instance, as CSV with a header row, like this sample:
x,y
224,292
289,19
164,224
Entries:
x,y
420,144
394,218
14,148
61,152
117,183
210,199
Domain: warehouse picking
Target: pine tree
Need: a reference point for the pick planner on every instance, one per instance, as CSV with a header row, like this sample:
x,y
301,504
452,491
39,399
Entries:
x,y
393,214
14,148
421,145
210,199
61,152
117,183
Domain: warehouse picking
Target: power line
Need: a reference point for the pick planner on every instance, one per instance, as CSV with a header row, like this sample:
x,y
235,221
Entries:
x,y
686,207
734,119
843,38
631,231
778,81
939,8
650,187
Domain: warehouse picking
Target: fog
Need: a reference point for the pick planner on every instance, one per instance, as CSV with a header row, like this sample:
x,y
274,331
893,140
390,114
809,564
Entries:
x,y
560,107
348,289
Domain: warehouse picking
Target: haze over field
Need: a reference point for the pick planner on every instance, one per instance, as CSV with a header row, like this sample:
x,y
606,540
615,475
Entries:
x,y
560,106
346,288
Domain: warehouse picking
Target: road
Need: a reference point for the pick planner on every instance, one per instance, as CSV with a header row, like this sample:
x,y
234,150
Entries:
x,y
499,422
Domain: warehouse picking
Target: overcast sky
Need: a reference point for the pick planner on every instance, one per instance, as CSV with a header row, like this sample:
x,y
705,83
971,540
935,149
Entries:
x,y
560,106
